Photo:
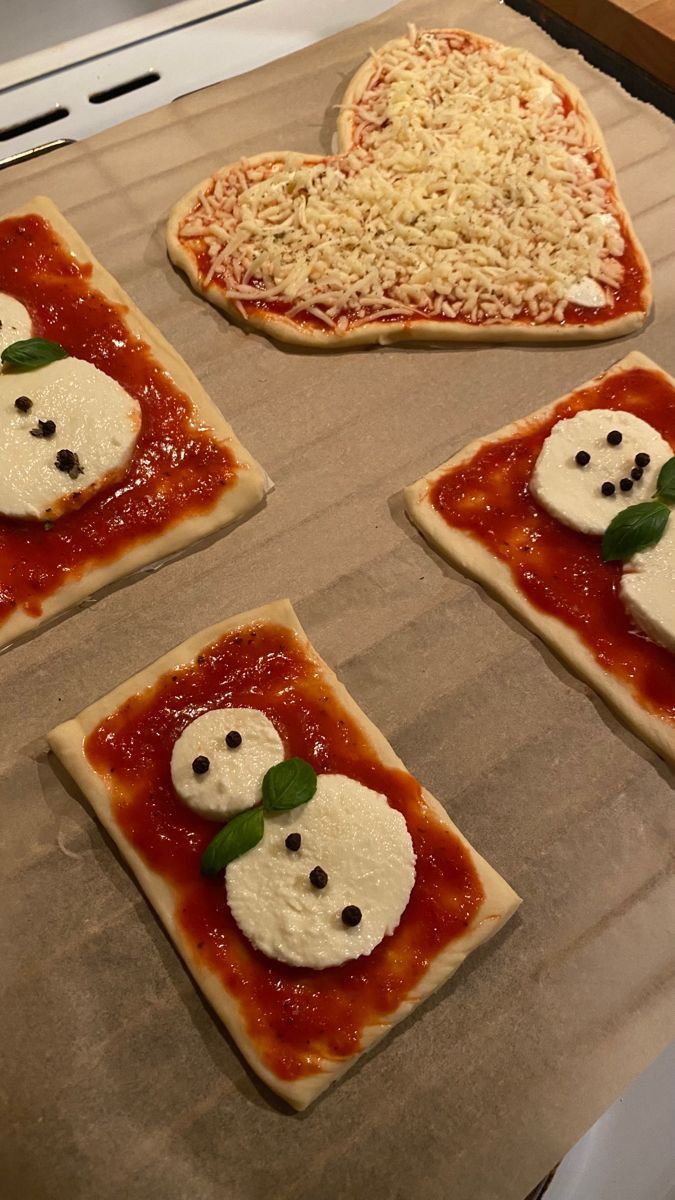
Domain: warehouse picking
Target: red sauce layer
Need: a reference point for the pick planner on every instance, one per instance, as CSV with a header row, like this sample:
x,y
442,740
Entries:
x,y
176,471
559,570
295,1016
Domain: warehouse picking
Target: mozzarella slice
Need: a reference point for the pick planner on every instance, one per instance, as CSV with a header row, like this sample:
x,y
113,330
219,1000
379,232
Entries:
x,y
364,847
15,322
587,293
94,418
572,493
648,588
234,777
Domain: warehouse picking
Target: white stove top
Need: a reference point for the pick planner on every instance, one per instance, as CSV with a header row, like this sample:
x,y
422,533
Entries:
x,y
63,91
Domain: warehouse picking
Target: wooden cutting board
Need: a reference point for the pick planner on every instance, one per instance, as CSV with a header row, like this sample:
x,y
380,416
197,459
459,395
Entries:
x,y
642,31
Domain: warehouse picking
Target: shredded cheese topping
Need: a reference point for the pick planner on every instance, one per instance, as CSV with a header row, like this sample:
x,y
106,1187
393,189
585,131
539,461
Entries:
x,y
471,192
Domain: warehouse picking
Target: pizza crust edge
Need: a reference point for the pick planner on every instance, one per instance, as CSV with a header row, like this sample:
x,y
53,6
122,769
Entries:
x,y
471,558
241,499
66,741
385,332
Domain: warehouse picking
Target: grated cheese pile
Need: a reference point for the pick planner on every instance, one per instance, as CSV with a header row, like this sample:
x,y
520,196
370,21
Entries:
x,y
468,194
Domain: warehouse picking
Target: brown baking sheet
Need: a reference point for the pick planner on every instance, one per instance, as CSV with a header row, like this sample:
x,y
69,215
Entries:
x,y
118,1080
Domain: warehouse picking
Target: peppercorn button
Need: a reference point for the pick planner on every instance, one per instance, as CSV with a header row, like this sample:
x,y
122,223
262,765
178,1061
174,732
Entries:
x,y
318,877
200,764
23,403
293,841
614,437
351,915
233,739
582,458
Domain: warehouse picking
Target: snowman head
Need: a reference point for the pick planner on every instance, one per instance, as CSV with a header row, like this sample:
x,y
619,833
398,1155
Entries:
x,y
593,465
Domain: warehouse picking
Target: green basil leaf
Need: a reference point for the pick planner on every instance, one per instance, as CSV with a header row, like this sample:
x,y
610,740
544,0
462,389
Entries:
x,y
32,353
288,784
634,529
240,834
665,484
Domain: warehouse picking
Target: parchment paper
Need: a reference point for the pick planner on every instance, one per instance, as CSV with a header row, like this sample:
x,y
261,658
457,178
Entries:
x,y
118,1080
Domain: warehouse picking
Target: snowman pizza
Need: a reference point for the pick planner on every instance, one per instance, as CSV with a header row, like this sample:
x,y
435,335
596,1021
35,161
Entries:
x,y
567,515
315,891
113,455
472,197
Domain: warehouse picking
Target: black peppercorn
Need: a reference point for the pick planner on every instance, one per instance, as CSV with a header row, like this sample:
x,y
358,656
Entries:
x,y
44,429
614,437
642,460
608,489
636,473
23,403
200,764
65,460
233,739
351,915
293,841
318,877
625,484
582,458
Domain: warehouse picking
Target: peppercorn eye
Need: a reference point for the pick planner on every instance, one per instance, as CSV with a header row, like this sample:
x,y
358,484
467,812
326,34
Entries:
x,y
614,437
582,458
200,764
233,739
44,429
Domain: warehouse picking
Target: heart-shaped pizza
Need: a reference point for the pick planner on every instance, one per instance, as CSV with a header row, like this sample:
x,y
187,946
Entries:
x,y
472,198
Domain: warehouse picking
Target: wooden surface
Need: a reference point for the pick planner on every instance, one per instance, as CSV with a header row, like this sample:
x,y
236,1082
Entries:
x,y
642,31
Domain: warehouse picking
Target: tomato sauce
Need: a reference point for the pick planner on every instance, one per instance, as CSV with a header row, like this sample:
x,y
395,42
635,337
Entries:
x,y
296,1017
177,469
559,570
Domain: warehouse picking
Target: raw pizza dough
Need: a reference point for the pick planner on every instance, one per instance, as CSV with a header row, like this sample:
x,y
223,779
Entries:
x,y
185,253
246,493
67,742
468,555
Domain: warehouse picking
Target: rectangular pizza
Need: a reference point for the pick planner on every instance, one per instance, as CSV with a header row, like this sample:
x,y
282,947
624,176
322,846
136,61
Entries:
x,y
315,890
114,454
566,516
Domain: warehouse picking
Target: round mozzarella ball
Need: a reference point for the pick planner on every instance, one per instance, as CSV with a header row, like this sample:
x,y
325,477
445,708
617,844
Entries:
x,y
648,588
362,845
94,418
233,779
572,493
15,322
